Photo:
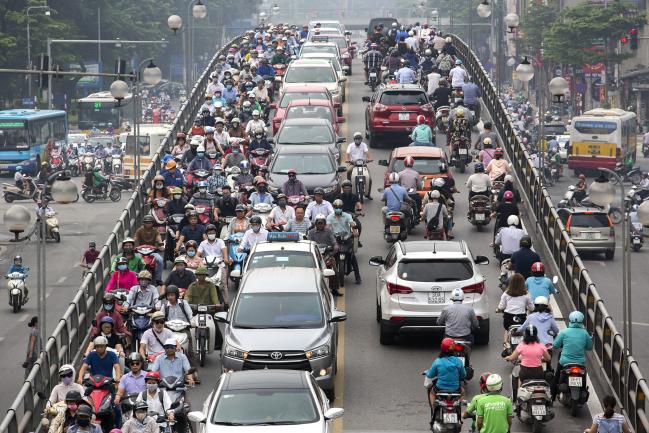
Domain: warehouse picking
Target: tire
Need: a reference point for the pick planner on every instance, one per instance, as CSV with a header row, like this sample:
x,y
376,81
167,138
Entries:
x,y
386,337
635,178
88,197
462,165
378,313
574,408
616,215
482,337
57,237
374,141
202,353
636,247
341,274
537,426
115,194
9,198
609,254
16,303
478,227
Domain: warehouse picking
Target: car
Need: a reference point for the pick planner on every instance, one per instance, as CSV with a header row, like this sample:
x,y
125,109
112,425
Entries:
x,y
307,131
316,167
394,109
306,91
320,35
564,143
320,47
277,322
414,282
385,22
590,230
300,72
335,63
281,112
329,24
259,400
314,109
77,139
345,47
428,161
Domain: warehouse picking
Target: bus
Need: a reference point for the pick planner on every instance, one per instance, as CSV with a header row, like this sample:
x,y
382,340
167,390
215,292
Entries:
x,y
100,109
24,135
601,138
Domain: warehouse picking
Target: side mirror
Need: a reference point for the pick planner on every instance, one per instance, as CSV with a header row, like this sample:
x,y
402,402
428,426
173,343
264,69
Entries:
x,y
342,169
338,316
365,99
342,79
235,274
337,105
376,261
341,140
198,416
328,273
348,33
94,323
482,260
333,413
383,162
341,120
346,68
273,106
221,317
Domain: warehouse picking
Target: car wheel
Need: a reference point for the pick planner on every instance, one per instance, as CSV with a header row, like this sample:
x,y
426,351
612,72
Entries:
x,y
482,338
387,336
374,141
609,254
378,313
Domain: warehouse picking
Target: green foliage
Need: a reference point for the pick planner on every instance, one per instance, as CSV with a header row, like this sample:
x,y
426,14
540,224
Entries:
x,y
537,19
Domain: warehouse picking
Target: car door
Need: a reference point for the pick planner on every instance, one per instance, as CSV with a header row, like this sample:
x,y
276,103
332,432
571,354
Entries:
x,y
381,274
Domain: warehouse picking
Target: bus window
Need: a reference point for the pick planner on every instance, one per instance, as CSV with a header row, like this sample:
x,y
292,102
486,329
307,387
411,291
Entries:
x,y
595,127
59,132
13,139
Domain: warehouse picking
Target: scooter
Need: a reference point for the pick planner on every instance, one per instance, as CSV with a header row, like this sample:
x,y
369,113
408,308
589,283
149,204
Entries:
x,y
298,200
262,210
238,257
360,178
479,211
176,390
343,255
396,227
636,237
533,403
173,222
110,191
373,79
204,213
12,192
139,322
203,331
442,118
98,391
445,412
633,175
462,350
158,212
146,251
258,158
16,287
331,272
52,226
573,391
460,156
179,330
214,267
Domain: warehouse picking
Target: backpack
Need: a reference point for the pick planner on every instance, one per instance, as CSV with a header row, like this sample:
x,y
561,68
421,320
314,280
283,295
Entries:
x,y
433,223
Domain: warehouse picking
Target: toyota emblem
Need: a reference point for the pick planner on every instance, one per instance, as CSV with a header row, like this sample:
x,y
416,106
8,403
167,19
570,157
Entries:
x,y
276,355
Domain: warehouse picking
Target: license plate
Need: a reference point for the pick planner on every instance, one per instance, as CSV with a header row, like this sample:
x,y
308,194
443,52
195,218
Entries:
x,y
463,151
435,298
461,358
515,339
444,119
636,241
538,410
575,381
342,256
449,418
479,217
404,116
395,229
590,235
372,74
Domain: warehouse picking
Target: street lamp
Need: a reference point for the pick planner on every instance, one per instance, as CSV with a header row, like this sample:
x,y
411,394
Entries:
x,y
275,9
29,44
17,219
152,74
558,88
174,22
512,21
484,9
525,71
199,10
119,90
64,190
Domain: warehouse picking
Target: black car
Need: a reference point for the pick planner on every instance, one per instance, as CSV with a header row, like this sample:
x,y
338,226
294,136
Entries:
x,y
308,131
385,22
316,167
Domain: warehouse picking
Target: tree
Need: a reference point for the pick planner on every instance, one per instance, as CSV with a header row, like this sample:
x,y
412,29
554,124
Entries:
x,y
537,19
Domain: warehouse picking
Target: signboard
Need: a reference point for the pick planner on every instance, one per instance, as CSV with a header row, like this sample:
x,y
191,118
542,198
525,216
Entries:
x,y
12,124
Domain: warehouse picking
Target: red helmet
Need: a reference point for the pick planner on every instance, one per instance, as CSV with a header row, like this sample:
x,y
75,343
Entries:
x,y
421,119
483,380
152,375
538,267
409,161
508,195
498,153
447,345
582,177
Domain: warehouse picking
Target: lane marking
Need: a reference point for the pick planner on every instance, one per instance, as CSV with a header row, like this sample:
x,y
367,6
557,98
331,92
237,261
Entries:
x,y
62,279
23,317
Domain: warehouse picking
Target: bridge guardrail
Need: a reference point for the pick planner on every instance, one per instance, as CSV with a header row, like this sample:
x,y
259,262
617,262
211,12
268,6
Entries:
x,y
73,330
619,368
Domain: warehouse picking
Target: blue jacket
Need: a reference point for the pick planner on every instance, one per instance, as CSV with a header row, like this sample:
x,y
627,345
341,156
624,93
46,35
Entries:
x,y
265,70
544,323
540,286
21,269
393,196
574,342
449,372
173,180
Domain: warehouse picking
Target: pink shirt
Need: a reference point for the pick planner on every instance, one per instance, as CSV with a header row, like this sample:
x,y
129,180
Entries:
x,y
531,355
121,280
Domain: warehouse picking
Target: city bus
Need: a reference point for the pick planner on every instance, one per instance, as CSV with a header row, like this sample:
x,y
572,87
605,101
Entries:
x,y
601,138
101,111
24,135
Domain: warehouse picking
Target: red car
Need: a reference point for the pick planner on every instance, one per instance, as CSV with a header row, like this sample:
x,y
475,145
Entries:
x,y
294,93
311,109
393,109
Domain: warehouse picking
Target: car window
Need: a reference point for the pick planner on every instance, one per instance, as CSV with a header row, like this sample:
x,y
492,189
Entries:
x,y
289,259
595,220
313,163
310,74
305,134
422,165
310,112
319,49
390,258
595,127
289,97
400,97
341,42
285,406
435,270
563,215
278,310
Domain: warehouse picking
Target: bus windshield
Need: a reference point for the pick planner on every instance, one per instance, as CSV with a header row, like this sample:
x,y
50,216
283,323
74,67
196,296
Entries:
x,y
595,127
13,137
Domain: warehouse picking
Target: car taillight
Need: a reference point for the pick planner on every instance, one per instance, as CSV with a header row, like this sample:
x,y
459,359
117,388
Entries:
x,y
380,108
474,288
427,107
398,289
575,370
568,224
397,318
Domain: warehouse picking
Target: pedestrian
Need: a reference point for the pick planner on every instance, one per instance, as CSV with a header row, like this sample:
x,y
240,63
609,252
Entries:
x,y
33,344
609,421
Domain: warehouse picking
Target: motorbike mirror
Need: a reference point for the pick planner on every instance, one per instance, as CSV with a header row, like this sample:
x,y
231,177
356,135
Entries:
x,y
376,261
271,140
341,140
348,33
221,317
383,162
273,106
342,169
341,120
481,260
365,99
94,323
555,279
342,79
235,274
174,405
328,273
379,189
196,416
338,316
334,412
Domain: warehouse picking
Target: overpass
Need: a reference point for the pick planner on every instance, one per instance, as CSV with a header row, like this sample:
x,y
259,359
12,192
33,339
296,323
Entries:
x,y
619,370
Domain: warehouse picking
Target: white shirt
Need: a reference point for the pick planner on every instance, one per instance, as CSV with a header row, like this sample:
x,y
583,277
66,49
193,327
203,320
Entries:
x,y
223,138
277,214
412,42
458,76
509,239
250,238
357,152
207,248
515,304
479,182
433,82
255,124
260,94
314,209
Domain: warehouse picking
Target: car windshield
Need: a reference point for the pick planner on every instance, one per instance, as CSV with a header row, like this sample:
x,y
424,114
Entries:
x,y
399,97
289,97
435,270
305,134
422,165
13,137
554,129
341,42
310,74
310,112
271,407
595,220
278,310
289,259
103,141
312,163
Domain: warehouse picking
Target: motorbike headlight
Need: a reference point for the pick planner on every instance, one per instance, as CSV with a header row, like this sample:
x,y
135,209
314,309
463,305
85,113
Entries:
x,y
330,189
235,352
318,352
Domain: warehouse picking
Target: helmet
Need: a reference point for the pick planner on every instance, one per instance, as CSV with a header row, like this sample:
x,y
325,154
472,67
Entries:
x,y
210,227
202,183
180,135
128,241
538,267
244,165
148,219
170,164
177,190
582,177
458,62
200,148
409,161
459,112
45,163
346,183
73,395
255,113
338,203
357,134
525,241
508,195
107,319
320,218
109,298
531,331
258,180
158,315
512,220
240,208
428,52
100,341
122,260
84,411
373,45
498,153
179,260
439,182
457,295
152,375
434,194
443,168
66,369
172,289
487,141
447,345
189,206
483,380
235,120
209,130
541,300
135,357
201,270
318,191
255,220
141,404
509,178
576,317
144,275
478,167
421,119
191,244
449,40
494,382
394,177
19,168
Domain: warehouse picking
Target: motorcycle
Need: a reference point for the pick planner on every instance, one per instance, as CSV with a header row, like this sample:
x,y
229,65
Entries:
x,y
262,210
11,192
238,257
614,212
139,322
16,289
331,272
343,256
373,80
506,273
442,118
74,162
460,156
445,412
179,330
395,224
533,405
360,178
479,211
214,267
514,338
573,391
173,223
258,158
98,392
635,234
496,186
203,331
158,212
462,350
90,194
176,391
56,162
146,251
627,174
298,200
88,161
52,226
122,182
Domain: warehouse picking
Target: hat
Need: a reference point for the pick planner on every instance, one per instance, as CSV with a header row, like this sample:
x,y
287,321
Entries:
x,y
201,271
170,342
157,315
170,164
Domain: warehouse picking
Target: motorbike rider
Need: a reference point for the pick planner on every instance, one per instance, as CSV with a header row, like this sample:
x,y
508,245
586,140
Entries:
x,y
504,210
44,173
372,60
107,329
65,411
66,385
259,141
405,74
392,61
193,231
441,95
422,135
509,238
471,97
200,162
221,136
177,203
498,167
149,235
351,205
158,190
459,128
143,294
133,381
18,267
542,319
172,175
108,310
216,180
487,153
226,204
280,214
209,142
237,129
212,246
410,179
197,127
581,189
538,284
135,262
256,233
19,180
241,223
245,177
573,341
487,133
156,398
203,291
449,371
181,145
323,235
122,277
179,276
318,206
479,183
494,411
459,319
470,411
99,182
509,187
458,75
261,195
643,186
82,423
299,224
234,158
151,344
523,259
202,196
141,422
355,151
396,197
435,208
341,222
293,186
100,362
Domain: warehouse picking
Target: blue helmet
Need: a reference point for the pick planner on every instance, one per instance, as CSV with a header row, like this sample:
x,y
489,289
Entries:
x,y
19,168
576,317
166,158
478,167
202,184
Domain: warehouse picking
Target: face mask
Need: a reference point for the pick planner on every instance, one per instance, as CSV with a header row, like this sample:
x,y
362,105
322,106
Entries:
x,y
122,267
338,211
202,190
200,154
282,204
262,189
83,422
73,407
159,185
357,142
229,87
67,380
211,237
191,253
258,137
109,307
140,415
256,229
152,387
235,151
177,196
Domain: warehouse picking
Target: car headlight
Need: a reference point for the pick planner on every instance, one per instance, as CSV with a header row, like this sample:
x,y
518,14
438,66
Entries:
x,y
330,189
318,352
235,352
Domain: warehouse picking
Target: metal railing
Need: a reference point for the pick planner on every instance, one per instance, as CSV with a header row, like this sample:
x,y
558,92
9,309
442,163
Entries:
x,y
73,330
619,368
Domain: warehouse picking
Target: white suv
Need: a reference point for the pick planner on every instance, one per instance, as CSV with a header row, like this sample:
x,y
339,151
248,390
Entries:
x,y
414,284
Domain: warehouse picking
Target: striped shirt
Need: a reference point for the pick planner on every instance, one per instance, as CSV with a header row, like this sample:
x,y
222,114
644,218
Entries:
x,y
295,226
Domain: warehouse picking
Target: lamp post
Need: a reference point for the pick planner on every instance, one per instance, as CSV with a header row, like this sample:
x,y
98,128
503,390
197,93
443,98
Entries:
x,y
198,12
29,44
484,9
434,14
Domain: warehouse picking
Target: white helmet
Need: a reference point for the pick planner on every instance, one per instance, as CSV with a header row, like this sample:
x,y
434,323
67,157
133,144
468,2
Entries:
x,y
439,182
411,33
434,194
457,295
200,148
100,341
256,113
394,177
509,178
512,220
541,300
449,40
494,382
